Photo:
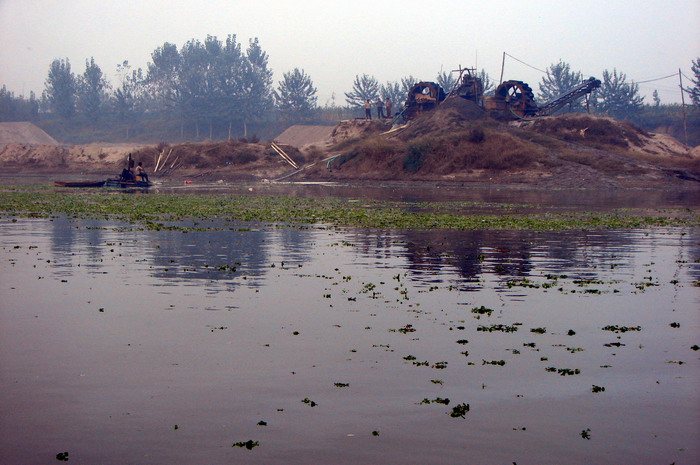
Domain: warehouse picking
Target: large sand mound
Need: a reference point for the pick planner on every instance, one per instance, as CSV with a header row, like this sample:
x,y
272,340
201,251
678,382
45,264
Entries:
x,y
24,133
301,135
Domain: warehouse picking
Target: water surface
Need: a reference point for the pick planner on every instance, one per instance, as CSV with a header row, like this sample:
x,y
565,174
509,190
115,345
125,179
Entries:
x,y
120,345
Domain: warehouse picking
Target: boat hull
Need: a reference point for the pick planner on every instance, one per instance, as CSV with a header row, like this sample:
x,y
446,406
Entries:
x,y
79,183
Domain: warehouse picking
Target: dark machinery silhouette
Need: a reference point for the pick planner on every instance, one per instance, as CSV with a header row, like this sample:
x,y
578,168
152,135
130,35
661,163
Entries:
x,y
511,99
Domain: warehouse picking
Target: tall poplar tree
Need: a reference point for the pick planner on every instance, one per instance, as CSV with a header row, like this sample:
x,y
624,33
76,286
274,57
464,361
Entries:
x,y
60,88
296,95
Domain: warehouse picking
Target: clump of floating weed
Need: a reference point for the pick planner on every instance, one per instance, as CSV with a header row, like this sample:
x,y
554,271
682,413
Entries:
x,y
621,329
249,444
458,411
482,310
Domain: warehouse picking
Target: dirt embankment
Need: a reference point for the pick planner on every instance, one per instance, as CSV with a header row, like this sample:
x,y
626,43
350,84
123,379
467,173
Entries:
x,y
458,142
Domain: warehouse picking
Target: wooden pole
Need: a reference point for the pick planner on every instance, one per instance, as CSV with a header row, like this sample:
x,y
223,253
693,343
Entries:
x,y
685,118
503,65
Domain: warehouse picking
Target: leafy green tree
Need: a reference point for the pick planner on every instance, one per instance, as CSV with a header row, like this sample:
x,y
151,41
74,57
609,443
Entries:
x,y
656,98
92,91
128,99
296,95
446,81
17,108
192,83
364,88
694,91
257,96
162,76
406,84
486,81
618,98
60,89
393,90
559,79
230,75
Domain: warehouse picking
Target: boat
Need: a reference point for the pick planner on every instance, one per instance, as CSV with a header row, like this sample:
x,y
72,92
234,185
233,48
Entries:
x,y
79,183
127,183
127,179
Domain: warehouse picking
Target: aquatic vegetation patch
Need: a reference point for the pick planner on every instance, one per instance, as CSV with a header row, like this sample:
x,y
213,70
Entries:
x,y
249,444
154,211
309,402
482,310
621,329
564,371
498,327
494,362
459,411
437,400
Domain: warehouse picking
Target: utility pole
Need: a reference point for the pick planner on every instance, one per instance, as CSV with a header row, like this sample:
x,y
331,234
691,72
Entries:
x,y
685,119
503,64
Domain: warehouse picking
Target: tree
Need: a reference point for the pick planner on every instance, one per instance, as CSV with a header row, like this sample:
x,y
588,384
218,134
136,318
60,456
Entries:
x,y
695,90
656,98
162,76
364,88
486,82
129,99
230,69
446,81
558,80
91,91
60,88
257,96
616,97
407,83
17,108
296,95
393,90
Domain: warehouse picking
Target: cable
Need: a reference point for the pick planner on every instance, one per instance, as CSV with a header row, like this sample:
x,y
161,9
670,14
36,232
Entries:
x,y
691,80
537,69
657,79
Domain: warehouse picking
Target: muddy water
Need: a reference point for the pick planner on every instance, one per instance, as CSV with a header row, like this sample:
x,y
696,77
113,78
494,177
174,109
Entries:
x,y
125,346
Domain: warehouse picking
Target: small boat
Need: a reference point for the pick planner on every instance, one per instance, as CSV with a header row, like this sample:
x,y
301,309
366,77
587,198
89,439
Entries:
x,y
127,183
79,183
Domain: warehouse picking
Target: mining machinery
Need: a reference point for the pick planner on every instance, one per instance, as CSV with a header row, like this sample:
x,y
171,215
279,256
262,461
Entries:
x,y
511,99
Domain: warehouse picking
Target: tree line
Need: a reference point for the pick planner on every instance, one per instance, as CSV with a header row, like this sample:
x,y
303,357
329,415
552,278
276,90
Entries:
x,y
216,87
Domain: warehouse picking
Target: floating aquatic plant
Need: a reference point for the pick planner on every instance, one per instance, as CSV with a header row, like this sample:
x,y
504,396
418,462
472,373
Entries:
x,y
249,444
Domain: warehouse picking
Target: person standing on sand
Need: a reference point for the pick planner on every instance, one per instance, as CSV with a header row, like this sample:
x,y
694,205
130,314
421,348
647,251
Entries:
x,y
380,108
388,107
368,110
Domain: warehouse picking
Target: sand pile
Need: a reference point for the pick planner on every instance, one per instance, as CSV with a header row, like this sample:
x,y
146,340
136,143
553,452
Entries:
x,y
302,135
24,133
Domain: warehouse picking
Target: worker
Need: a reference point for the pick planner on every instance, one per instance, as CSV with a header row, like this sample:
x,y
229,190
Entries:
x,y
368,110
380,108
141,174
388,107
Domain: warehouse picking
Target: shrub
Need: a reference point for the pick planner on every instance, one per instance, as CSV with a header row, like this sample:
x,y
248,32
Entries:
x,y
413,161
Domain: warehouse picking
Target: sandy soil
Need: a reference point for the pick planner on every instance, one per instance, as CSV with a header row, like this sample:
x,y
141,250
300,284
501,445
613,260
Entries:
x,y
458,142
24,133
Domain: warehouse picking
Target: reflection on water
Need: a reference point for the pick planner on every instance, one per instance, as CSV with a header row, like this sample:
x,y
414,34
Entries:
x,y
111,335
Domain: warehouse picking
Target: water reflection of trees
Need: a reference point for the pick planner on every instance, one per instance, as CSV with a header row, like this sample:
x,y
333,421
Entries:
x,y
223,255
228,255
474,254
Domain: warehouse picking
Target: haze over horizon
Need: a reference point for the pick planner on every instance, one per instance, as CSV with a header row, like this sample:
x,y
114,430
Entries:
x,y
389,40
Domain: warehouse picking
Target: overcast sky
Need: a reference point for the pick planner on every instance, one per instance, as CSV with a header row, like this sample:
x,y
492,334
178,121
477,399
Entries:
x,y
333,41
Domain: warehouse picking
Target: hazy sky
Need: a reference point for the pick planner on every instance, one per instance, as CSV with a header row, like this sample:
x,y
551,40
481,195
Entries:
x,y
333,41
